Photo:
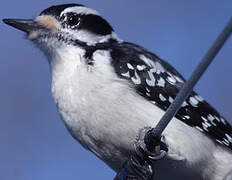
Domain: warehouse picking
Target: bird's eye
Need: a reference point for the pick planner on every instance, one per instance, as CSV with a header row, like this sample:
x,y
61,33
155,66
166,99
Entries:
x,y
73,21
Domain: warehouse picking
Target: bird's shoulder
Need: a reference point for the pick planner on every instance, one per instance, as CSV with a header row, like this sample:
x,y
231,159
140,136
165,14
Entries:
x,y
158,82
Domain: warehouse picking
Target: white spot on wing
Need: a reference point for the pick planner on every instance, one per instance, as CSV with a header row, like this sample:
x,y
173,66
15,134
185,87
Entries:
x,y
148,90
153,102
193,101
179,79
223,120
219,141
205,127
130,66
200,129
184,104
207,124
171,78
204,119
170,99
127,74
162,98
141,67
211,119
224,139
227,144
161,82
159,68
217,118
228,137
136,79
147,61
151,82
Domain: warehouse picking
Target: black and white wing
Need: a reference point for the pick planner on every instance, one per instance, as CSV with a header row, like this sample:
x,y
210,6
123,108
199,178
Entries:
x,y
158,82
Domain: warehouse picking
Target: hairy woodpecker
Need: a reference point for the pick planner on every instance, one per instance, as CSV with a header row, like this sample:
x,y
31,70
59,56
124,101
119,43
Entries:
x,y
106,90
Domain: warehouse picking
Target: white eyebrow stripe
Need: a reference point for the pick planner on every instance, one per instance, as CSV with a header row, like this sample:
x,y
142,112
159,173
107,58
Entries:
x,y
80,10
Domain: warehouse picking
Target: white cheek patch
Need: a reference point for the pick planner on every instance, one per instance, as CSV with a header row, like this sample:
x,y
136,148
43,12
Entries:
x,y
80,10
48,22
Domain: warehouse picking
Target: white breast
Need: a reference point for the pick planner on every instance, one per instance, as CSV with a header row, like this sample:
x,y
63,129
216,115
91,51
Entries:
x,y
105,114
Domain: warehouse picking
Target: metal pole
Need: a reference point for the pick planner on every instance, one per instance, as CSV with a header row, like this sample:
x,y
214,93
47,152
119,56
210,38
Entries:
x,y
195,76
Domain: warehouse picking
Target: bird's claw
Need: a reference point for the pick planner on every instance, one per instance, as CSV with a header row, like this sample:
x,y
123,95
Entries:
x,y
155,152
139,166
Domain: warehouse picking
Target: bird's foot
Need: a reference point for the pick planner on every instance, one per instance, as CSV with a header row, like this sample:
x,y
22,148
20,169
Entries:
x,y
149,151
139,165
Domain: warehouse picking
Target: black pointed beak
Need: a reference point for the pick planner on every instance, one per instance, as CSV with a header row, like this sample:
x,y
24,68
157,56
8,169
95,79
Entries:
x,y
26,25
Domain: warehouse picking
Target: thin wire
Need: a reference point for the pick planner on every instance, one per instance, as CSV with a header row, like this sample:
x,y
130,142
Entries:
x,y
195,76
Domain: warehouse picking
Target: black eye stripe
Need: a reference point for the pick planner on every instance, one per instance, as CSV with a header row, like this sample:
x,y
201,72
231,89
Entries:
x,y
96,24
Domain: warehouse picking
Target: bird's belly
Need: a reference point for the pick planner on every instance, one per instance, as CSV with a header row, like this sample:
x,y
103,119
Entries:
x,y
106,120
105,125
110,134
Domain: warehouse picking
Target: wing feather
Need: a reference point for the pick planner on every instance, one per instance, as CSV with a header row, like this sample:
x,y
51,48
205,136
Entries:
x,y
159,82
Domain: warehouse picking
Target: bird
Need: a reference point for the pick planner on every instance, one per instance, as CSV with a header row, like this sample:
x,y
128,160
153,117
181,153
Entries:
x,y
106,90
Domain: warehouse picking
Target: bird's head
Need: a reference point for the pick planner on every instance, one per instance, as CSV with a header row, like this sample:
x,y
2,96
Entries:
x,y
62,25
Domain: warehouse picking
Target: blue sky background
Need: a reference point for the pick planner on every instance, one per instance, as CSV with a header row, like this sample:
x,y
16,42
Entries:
x,y
34,143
